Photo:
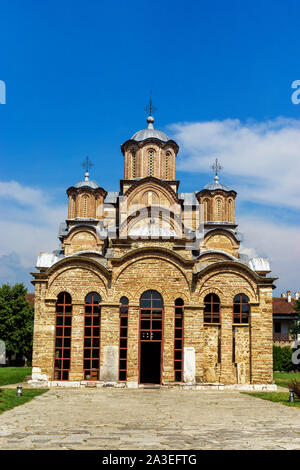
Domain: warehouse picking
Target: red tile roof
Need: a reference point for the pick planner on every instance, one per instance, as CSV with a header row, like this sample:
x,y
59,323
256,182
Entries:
x,y
281,306
30,298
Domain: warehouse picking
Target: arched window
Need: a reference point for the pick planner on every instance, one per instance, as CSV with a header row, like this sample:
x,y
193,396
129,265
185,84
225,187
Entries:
x,y
63,334
168,156
151,299
85,198
219,209
91,354
206,214
230,210
178,340
151,316
241,309
124,306
151,155
212,309
133,164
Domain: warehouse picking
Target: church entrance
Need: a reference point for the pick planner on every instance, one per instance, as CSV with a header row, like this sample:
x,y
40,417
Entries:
x,y
150,342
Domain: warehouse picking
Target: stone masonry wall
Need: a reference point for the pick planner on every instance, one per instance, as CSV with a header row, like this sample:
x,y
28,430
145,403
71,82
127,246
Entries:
x,y
131,277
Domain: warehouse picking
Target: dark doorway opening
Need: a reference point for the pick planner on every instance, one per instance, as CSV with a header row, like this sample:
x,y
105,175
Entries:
x,y
150,363
151,337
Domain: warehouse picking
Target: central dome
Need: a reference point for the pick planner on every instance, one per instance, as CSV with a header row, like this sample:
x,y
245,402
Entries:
x,y
150,132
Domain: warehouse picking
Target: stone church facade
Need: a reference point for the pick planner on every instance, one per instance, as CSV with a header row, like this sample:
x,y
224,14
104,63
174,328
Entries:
x,y
150,286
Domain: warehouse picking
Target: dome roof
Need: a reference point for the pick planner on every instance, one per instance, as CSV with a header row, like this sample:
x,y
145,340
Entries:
x,y
216,185
150,132
87,183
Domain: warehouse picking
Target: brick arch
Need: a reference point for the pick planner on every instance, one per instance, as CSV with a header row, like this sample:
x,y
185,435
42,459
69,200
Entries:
x,y
175,223
145,197
134,274
221,240
58,290
215,232
243,291
93,279
180,294
76,231
211,290
151,183
216,271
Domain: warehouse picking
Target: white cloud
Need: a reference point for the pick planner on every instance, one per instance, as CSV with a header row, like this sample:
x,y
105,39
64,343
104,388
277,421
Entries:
x,y
29,224
262,161
279,243
264,158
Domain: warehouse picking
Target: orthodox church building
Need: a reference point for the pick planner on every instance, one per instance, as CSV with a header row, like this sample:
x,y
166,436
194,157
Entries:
x,y
150,287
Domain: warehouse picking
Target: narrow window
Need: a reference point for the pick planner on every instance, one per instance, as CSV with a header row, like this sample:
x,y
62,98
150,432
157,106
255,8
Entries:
x,y
219,209
91,355
85,199
168,155
212,309
206,214
124,306
133,164
151,163
63,333
178,341
230,215
241,309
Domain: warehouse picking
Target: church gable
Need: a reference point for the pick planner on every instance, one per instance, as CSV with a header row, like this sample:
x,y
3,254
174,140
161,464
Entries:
x,y
221,240
82,238
151,189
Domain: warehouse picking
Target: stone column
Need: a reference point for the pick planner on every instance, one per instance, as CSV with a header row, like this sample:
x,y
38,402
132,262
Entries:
x,y
228,375
110,333
133,346
261,342
199,342
168,344
43,338
192,340
76,369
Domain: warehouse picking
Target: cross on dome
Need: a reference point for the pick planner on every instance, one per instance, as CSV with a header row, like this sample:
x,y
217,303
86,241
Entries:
x,y
217,168
87,164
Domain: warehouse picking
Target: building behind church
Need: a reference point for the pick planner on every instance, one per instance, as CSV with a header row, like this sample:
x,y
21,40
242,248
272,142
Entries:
x,y
150,286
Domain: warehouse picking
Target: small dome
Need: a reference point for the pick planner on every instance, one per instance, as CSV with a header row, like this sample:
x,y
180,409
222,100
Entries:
x,y
87,184
150,132
216,185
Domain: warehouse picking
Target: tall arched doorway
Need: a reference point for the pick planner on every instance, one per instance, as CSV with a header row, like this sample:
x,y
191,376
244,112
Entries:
x,y
151,337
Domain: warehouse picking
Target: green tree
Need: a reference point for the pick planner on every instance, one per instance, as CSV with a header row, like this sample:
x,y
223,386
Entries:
x,y
295,326
16,320
282,358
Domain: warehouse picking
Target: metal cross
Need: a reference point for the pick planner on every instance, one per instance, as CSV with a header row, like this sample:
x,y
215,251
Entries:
x,y
216,167
150,109
87,164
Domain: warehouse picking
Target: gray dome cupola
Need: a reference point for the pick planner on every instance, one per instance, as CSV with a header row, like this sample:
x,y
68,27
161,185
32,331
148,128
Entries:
x,y
150,132
216,185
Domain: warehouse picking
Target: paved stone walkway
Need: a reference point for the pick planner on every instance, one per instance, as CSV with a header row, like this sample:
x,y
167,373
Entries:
x,y
149,419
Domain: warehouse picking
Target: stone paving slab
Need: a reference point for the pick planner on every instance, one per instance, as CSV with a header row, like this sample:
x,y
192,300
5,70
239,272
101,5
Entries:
x,y
149,419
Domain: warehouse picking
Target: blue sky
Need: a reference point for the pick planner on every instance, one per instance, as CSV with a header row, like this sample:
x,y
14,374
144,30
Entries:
x,y
78,76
